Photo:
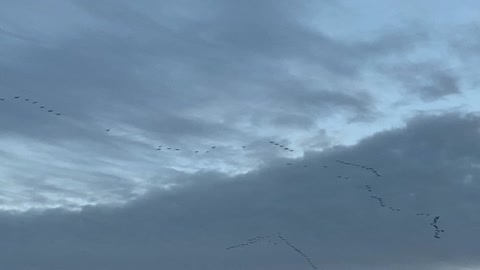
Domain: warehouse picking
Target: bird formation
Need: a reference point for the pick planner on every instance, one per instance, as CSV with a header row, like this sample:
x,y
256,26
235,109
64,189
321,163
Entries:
x,y
274,235
160,148
298,251
34,103
437,230
380,200
255,240
382,204
361,166
281,146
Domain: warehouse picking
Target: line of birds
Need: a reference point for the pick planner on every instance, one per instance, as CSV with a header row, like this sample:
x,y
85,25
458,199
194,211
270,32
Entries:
x,y
255,240
380,200
161,148
361,166
437,229
282,146
382,204
273,235
33,102
298,251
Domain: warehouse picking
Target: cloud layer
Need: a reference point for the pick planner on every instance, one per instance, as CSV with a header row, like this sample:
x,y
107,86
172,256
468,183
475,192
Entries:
x,y
428,166
103,186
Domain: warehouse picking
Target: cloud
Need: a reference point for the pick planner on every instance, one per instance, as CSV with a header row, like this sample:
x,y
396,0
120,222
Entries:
x,y
334,222
176,74
234,74
428,80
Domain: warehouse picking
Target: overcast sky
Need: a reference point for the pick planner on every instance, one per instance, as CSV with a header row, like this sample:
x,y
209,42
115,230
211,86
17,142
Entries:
x,y
93,93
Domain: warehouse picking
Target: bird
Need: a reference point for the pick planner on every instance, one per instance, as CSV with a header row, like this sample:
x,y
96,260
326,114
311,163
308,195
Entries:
x,y
57,114
50,110
35,102
17,97
176,149
1,98
41,107
27,99
107,130
213,147
196,151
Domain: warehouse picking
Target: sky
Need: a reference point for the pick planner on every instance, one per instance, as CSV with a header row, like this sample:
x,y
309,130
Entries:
x,y
274,107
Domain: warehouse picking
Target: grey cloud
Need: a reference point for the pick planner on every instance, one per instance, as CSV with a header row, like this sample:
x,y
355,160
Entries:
x,y
188,227
430,81
133,60
174,73
188,74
